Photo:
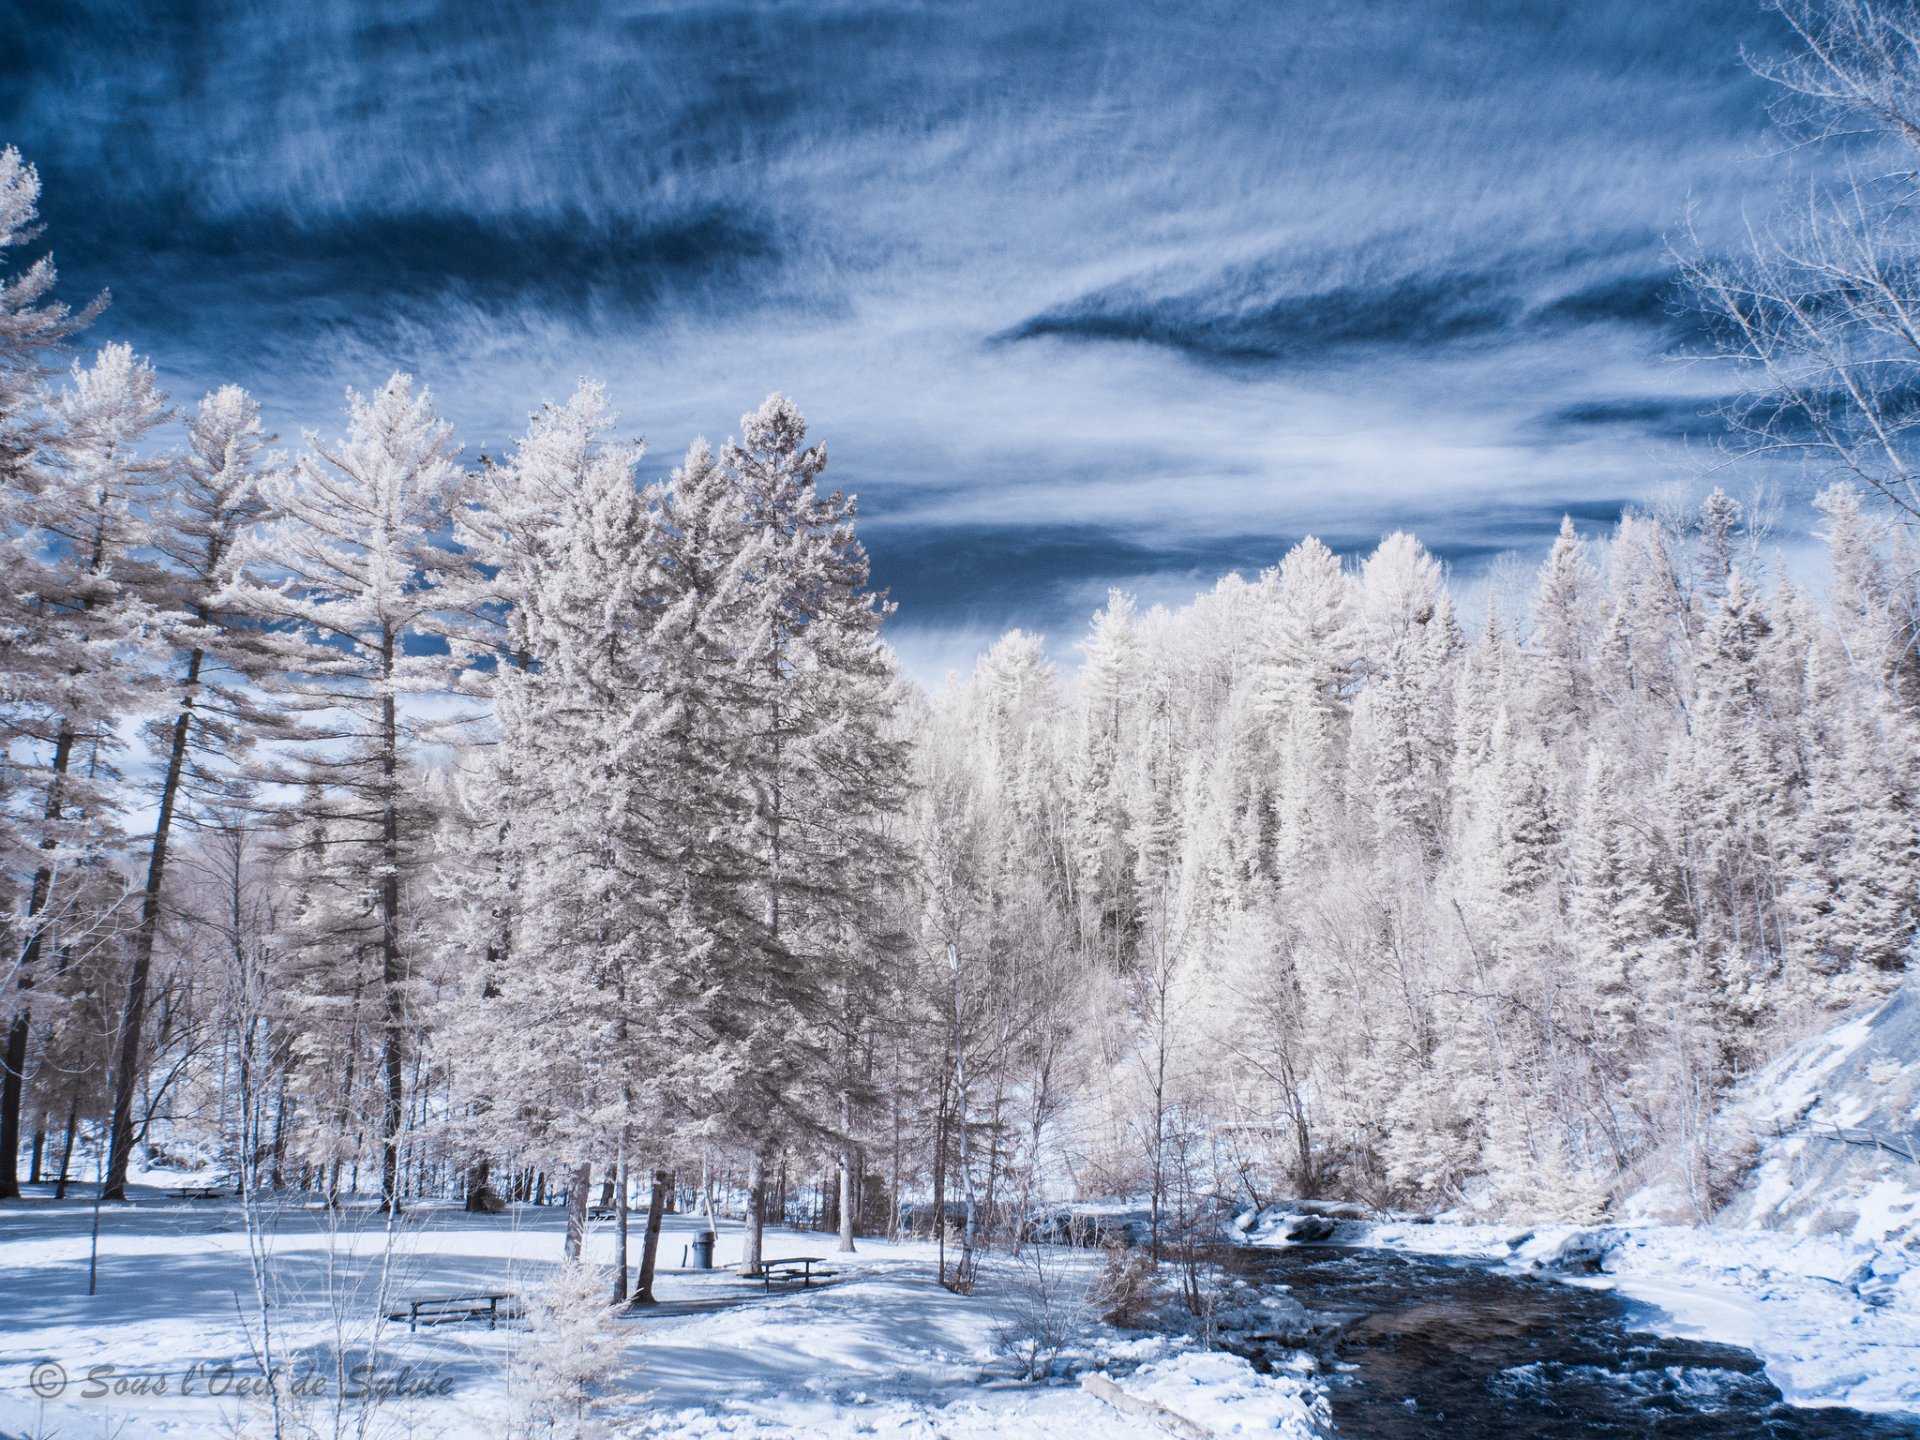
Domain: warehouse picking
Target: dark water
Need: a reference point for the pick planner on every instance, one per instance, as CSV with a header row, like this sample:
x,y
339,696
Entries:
x,y
1439,1347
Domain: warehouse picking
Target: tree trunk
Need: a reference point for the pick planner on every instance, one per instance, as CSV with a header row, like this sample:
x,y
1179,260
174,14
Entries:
x,y
846,1201
650,1245
134,1016
940,1183
753,1227
66,1152
13,1084
277,1177
577,1194
1159,1124
477,1185
893,1178
39,1152
620,1234
392,974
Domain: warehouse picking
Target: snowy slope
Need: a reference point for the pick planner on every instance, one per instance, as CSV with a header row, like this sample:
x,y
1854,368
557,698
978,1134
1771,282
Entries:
x,y
1837,1123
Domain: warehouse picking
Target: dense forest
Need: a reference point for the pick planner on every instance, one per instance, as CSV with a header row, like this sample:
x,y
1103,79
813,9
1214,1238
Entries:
x,y
384,823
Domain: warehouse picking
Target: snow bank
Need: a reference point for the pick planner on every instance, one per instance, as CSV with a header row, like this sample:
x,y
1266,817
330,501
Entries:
x,y
1836,1126
1226,1395
1837,1323
1813,1264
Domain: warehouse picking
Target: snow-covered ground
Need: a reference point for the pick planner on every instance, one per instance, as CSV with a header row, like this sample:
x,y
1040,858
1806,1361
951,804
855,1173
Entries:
x,y
883,1350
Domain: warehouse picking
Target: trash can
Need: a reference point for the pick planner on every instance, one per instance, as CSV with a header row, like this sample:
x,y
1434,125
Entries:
x,y
703,1250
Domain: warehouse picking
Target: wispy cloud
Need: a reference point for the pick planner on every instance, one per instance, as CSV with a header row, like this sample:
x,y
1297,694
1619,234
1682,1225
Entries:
x,y
1076,293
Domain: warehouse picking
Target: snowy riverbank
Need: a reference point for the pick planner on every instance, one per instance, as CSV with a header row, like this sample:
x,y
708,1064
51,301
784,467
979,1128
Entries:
x,y
1837,1322
883,1350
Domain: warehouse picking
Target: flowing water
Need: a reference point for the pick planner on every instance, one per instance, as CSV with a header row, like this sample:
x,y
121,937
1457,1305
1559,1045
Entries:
x,y
1431,1346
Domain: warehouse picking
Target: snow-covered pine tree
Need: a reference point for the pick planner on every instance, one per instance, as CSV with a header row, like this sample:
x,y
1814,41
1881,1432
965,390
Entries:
x,y
816,763
79,652
587,763
1107,692
518,523
214,495
1402,721
1741,793
348,567
1302,676
34,328
1560,646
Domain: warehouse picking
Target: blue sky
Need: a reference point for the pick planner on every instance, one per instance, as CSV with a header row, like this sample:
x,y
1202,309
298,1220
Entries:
x,y
1078,294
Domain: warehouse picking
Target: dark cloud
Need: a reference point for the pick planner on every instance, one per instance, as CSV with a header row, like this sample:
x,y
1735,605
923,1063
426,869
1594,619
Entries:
x,y
1238,319
201,273
1044,576
1230,324
1674,417
1636,299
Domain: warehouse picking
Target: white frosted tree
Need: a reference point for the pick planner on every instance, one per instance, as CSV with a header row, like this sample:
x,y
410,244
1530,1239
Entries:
x,y
213,497
815,765
526,586
34,331
34,326
79,654
1402,725
1301,680
347,568
1106,698
1564,624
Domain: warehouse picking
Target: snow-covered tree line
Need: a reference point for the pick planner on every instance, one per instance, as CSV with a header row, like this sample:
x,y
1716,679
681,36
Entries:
x,y
1355,895
382,822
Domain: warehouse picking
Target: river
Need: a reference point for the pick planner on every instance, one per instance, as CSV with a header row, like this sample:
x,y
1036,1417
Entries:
x,y
1439,1348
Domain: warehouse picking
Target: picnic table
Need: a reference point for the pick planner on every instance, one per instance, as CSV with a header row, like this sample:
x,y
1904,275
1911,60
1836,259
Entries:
x,y
789,1268
202,1192
454,1309
601,1212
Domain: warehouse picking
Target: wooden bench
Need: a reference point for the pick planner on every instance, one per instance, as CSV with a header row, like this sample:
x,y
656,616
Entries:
x,y
789,1268
457,1309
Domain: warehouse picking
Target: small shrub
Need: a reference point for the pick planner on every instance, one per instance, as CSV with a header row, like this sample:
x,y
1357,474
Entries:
x,y
1126,1288
571,1355
1047,1310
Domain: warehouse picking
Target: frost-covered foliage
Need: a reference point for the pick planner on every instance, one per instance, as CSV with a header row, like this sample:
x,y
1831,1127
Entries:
x,y
1382,909
569,1362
